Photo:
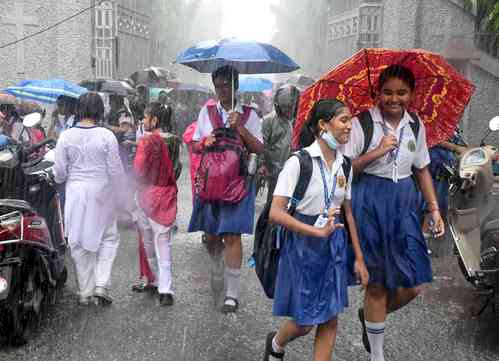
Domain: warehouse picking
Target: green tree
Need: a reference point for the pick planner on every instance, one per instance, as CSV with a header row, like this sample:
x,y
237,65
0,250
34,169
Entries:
x,y
487,14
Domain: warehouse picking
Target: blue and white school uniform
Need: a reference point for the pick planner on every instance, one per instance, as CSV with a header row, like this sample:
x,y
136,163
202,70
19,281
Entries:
x,y
385,205
217,218
312,278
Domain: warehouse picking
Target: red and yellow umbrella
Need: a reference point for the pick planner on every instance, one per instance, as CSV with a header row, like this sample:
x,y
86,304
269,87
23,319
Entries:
x,y
441,96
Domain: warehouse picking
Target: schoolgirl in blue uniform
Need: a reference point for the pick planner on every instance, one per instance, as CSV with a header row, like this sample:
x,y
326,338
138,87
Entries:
x,y
311,287
385,202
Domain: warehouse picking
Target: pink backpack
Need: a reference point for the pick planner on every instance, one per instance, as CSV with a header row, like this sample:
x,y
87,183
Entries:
x,y
222,173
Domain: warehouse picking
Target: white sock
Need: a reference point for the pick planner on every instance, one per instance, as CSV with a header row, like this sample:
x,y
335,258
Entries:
x,y
376,334
275,346
233,278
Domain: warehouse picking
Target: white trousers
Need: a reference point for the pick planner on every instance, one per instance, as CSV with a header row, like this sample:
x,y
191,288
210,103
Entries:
x,y
157,239
93,269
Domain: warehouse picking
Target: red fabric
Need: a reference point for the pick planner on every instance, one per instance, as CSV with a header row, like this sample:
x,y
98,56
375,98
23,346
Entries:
x,y
441,97
145,269
156,178
194,158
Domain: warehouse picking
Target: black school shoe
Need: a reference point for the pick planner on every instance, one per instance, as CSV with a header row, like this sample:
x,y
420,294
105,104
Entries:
x,y
165,299
365,339
269,350
229,308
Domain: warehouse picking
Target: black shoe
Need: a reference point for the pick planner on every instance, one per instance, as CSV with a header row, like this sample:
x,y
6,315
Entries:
x,y
365,339
269,351
102,296
141,287
229,308
165,299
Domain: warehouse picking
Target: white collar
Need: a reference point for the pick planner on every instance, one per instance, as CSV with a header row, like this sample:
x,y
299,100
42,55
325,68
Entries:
x,y
378,117
238,108
315,152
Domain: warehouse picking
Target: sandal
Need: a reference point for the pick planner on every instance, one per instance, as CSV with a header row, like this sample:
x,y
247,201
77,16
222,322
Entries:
x,y
141,287
230,308
269,351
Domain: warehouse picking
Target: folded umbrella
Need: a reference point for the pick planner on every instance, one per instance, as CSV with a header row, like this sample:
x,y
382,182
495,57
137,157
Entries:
x,y
440,99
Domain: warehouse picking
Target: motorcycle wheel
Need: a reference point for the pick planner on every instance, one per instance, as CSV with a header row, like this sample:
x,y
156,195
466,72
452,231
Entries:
x,y
27,302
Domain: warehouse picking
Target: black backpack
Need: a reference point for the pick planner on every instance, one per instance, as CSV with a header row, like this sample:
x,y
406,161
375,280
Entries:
x,y
265,248
367,124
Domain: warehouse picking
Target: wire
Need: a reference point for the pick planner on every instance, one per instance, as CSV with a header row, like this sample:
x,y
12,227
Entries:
x,y
51,26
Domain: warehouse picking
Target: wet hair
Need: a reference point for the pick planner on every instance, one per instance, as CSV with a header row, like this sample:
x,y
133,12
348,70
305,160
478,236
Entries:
x,y
400,72
325,109
162,113
226,72
90,106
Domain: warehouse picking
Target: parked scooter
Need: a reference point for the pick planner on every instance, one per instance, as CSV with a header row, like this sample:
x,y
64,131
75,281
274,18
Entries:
x,y
32,243
474,217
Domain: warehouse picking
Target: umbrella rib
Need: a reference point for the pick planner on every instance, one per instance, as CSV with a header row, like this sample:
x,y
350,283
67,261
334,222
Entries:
x,y
371,91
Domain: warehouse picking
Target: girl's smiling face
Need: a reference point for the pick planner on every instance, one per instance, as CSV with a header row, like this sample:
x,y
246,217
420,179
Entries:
x,y
340,125
394,97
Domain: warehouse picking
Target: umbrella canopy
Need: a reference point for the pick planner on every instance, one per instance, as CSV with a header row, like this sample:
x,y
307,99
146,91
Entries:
x,y
152,75
441,95
118,87
300,81
7,99
254,84
246,56
45,91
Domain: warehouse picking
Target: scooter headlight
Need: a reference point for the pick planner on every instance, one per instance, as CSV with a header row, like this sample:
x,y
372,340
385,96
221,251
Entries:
x,y
474,158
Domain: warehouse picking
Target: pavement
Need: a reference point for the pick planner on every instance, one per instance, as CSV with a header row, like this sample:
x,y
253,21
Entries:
x,y
439,325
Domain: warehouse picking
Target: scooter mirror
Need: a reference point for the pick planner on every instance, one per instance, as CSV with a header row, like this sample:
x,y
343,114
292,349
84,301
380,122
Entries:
x,y
494,124
32,120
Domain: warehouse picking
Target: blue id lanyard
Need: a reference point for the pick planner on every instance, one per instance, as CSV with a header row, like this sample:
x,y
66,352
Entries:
x,y
328,197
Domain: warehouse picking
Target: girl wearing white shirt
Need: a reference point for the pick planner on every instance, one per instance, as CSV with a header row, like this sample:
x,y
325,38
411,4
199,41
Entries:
x,y
311,285
385,204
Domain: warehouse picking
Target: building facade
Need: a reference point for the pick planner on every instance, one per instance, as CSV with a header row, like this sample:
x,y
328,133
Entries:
x,y
442,26
109,39
64,51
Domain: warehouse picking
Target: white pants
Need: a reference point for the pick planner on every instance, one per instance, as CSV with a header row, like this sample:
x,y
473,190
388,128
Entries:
x,y
93,269
157,239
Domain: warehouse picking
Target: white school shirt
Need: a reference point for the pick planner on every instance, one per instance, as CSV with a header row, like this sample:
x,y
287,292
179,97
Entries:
x,y
411,153
313,202
204,127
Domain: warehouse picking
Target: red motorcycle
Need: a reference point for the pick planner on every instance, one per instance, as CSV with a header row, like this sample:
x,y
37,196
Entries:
x,y
32,243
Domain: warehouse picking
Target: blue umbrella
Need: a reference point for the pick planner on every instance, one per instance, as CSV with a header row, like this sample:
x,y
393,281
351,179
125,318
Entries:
x,y
246,56
254,84
46,91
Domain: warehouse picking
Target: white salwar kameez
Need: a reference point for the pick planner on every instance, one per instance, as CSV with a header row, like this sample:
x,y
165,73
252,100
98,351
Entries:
x,y
87,159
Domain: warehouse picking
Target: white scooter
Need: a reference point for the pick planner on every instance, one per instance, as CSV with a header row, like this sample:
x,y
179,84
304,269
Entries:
x,y
474,217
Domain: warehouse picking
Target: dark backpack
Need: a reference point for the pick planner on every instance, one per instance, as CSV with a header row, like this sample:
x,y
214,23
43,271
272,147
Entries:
x,y
367,124
222,173
268,236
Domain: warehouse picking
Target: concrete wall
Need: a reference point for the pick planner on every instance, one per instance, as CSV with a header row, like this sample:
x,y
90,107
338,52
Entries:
x,y
61,52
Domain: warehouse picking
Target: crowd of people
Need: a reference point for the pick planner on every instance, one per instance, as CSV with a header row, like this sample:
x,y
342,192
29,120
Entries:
x,y
361,219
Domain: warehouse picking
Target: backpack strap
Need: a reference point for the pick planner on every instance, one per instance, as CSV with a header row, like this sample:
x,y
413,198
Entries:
x,y
215,117
415,124
367,124
347,166
306,167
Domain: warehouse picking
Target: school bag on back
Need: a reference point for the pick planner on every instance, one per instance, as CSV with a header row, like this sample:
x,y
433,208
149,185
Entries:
x,y
268,237
222,173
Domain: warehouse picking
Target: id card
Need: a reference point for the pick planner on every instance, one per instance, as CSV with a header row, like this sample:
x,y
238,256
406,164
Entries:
x,y
321,221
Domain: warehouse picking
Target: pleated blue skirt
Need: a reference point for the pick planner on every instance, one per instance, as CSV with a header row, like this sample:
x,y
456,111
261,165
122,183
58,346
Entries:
x,y
217,218
387,218
311,285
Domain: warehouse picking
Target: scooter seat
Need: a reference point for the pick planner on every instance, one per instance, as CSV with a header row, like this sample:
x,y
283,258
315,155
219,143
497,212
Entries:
x,y
17,204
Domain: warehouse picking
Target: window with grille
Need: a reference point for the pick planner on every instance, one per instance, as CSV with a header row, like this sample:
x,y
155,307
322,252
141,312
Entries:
x,y
104,25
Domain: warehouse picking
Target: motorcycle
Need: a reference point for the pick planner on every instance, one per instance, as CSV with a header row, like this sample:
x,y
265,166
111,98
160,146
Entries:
x,y
474,217
32,243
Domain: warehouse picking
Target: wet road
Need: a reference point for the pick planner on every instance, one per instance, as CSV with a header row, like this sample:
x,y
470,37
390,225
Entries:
x,y
437,326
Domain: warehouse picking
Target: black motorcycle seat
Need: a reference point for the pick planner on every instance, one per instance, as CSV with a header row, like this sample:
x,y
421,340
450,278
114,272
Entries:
x,y
16,203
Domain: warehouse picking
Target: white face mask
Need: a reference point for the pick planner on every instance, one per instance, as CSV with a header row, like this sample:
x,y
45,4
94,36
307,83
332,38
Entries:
x,y
330,140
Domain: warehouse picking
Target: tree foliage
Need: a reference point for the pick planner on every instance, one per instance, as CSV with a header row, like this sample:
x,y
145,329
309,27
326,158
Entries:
x,y
487,14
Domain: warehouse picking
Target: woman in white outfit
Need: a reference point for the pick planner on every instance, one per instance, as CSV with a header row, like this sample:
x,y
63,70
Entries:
x,y
87,159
